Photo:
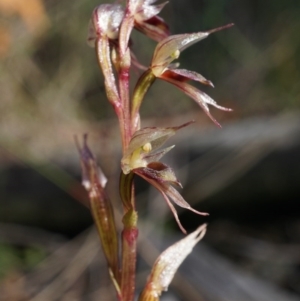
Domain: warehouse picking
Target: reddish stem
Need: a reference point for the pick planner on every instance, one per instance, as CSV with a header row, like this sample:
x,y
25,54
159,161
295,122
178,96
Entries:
x,y
129,237
124,95
129,244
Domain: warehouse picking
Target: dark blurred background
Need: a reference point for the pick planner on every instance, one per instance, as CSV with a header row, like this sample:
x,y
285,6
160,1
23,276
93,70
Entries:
x,y
246,175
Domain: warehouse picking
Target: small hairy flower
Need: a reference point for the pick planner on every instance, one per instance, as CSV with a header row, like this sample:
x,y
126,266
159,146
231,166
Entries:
x,y
169,50
144,147
141,158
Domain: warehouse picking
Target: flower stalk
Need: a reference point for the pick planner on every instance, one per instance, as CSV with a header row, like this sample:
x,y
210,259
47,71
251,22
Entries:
x,y
110,33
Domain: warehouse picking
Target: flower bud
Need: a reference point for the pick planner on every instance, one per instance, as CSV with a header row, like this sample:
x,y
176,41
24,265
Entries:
x,y
106,20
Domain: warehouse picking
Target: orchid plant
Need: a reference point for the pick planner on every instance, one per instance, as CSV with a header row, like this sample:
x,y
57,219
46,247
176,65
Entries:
x,y
110,31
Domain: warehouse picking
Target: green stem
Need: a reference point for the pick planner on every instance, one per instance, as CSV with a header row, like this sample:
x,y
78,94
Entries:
x,y
129,247
142,86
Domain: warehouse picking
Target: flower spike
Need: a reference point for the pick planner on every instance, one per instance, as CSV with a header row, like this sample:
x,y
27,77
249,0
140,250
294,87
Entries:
x,y
109,33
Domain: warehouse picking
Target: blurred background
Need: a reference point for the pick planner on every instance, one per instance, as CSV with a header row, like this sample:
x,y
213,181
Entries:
x,y
246,175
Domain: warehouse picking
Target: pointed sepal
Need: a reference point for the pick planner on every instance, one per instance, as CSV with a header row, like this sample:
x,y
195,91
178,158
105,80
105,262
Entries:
x,y
167,264
144,143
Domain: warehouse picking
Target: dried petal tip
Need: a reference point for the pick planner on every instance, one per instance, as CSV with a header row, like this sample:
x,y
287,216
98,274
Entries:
x,y
220,28
89,165
167,264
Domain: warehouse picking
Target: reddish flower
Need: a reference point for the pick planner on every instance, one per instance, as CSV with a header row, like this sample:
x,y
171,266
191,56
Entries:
x,y
142,158
167,51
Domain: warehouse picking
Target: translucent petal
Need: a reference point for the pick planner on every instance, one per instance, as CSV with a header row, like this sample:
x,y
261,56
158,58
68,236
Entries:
x,y
156,156
148,11
168,262
155,28
201,98
106,20
169,49
162,183
187,75
179,200
151,179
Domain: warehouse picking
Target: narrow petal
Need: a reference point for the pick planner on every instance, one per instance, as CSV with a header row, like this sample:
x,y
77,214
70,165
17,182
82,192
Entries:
x,y
136,62
179,200
159,187
156,156
155,28
160,182
202,99
167,264
174,212
183,75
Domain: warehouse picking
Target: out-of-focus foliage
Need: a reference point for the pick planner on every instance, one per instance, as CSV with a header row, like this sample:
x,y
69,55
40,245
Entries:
x,y
13,258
